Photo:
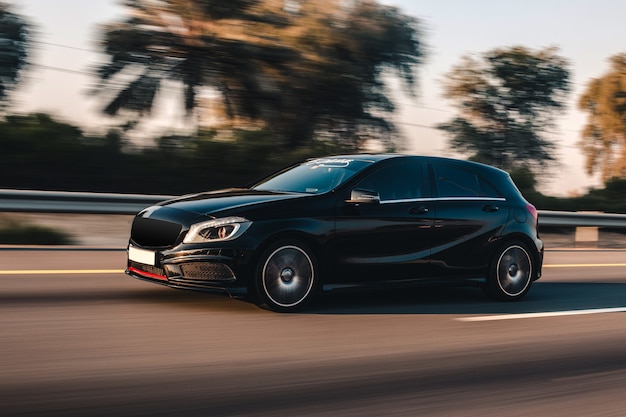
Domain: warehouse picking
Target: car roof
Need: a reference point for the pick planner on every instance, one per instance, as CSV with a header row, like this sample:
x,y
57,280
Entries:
x,y
385,156
361,157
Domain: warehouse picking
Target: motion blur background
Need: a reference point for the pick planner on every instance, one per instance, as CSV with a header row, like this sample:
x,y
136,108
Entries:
x,y
176,96
385,70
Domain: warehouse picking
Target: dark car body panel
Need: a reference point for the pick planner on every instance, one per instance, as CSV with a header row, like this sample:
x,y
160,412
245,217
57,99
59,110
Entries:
x,y
382,240
423,237
464,230
216,201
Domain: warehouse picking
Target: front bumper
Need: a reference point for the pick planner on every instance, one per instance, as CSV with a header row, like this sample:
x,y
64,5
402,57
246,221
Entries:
x,y
214,270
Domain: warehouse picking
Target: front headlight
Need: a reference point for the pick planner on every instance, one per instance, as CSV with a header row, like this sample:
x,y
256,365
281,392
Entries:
x,y
217,230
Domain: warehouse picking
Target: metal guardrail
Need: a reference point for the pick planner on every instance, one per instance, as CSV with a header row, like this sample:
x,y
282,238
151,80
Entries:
x,y
582,219
31,201
106,203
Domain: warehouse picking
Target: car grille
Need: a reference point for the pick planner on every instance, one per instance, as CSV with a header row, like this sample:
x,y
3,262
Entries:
x,y
154,233
207,271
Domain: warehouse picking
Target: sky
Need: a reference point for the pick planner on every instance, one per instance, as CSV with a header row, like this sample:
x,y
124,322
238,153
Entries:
x,y
586,32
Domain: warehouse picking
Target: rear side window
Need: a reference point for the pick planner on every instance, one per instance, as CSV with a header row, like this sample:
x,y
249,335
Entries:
x,y
452,181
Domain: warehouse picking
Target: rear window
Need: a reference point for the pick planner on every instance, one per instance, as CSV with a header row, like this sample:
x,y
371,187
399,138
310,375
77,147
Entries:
x,y
453,181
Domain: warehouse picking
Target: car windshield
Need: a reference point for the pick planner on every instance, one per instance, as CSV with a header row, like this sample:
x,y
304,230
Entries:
x,y
314,177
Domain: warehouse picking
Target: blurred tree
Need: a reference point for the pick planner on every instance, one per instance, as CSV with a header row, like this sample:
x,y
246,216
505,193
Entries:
x,y
338,86
296,67
14,33
506,100
199,43
524,178
604,136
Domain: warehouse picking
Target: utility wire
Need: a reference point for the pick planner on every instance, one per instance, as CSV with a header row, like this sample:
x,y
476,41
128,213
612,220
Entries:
x,y
70,71
416,125
67,47
79,72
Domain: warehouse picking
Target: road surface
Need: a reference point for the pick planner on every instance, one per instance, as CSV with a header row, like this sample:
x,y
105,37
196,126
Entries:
x,y
79,338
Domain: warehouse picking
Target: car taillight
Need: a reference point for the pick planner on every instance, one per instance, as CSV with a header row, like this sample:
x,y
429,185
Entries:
x,y
532,210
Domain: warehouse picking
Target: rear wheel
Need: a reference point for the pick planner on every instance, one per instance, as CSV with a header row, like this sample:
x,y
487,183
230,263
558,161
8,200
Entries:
x,y
511,272
286,278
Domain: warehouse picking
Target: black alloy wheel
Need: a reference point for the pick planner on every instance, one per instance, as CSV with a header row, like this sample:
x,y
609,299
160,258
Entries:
x,y
286,279
511,272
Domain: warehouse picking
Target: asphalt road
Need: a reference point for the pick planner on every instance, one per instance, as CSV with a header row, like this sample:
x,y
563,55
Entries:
x,y
79,338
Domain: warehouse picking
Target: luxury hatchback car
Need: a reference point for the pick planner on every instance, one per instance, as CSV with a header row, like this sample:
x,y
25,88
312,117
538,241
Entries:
x,y
343,221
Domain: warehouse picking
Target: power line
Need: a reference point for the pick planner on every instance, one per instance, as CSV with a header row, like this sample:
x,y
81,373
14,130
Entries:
x,y
416,125
425,107
79,72
70,71
67,46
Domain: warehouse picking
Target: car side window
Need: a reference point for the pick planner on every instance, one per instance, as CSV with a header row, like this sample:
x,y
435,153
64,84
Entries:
x,y
487,189
455,181
400,181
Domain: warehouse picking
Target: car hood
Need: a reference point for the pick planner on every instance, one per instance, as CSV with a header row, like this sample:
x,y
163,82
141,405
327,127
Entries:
x,y
215,201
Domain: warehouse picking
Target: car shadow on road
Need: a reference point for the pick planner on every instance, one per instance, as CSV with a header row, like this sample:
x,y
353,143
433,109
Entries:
x,y
543,297
423,300
455,300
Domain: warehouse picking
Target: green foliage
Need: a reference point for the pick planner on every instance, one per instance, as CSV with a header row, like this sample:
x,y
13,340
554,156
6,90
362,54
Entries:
x,y
44,154
615,188
314,68
611,199
40,153
506,99
19,233
524,178
14,34
604,136
35,147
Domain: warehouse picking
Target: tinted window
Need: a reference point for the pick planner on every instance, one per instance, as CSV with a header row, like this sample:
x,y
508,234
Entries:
x,y
454,181
315,177
487,189
399,181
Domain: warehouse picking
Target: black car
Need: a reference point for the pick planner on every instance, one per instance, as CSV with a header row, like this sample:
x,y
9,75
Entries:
x,y
343,221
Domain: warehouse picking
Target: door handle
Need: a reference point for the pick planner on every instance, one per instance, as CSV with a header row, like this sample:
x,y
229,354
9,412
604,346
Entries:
x,y
418,210
490,208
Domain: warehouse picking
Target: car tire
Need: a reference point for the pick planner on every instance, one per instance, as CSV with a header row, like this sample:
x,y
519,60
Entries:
x,y
287,276
511,272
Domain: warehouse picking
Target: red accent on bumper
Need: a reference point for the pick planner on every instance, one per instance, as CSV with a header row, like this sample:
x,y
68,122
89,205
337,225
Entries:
x,y
147,274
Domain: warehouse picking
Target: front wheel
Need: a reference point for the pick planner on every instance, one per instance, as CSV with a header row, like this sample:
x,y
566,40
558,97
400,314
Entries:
x,y
286,277
511,272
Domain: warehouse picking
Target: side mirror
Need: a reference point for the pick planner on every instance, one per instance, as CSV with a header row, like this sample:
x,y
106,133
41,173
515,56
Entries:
x,y
364,197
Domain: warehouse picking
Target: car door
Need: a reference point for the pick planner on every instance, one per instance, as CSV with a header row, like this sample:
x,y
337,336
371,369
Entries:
x,y
469,214
385,236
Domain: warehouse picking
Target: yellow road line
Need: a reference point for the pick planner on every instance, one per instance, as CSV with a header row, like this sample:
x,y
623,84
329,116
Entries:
x,y
61,271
